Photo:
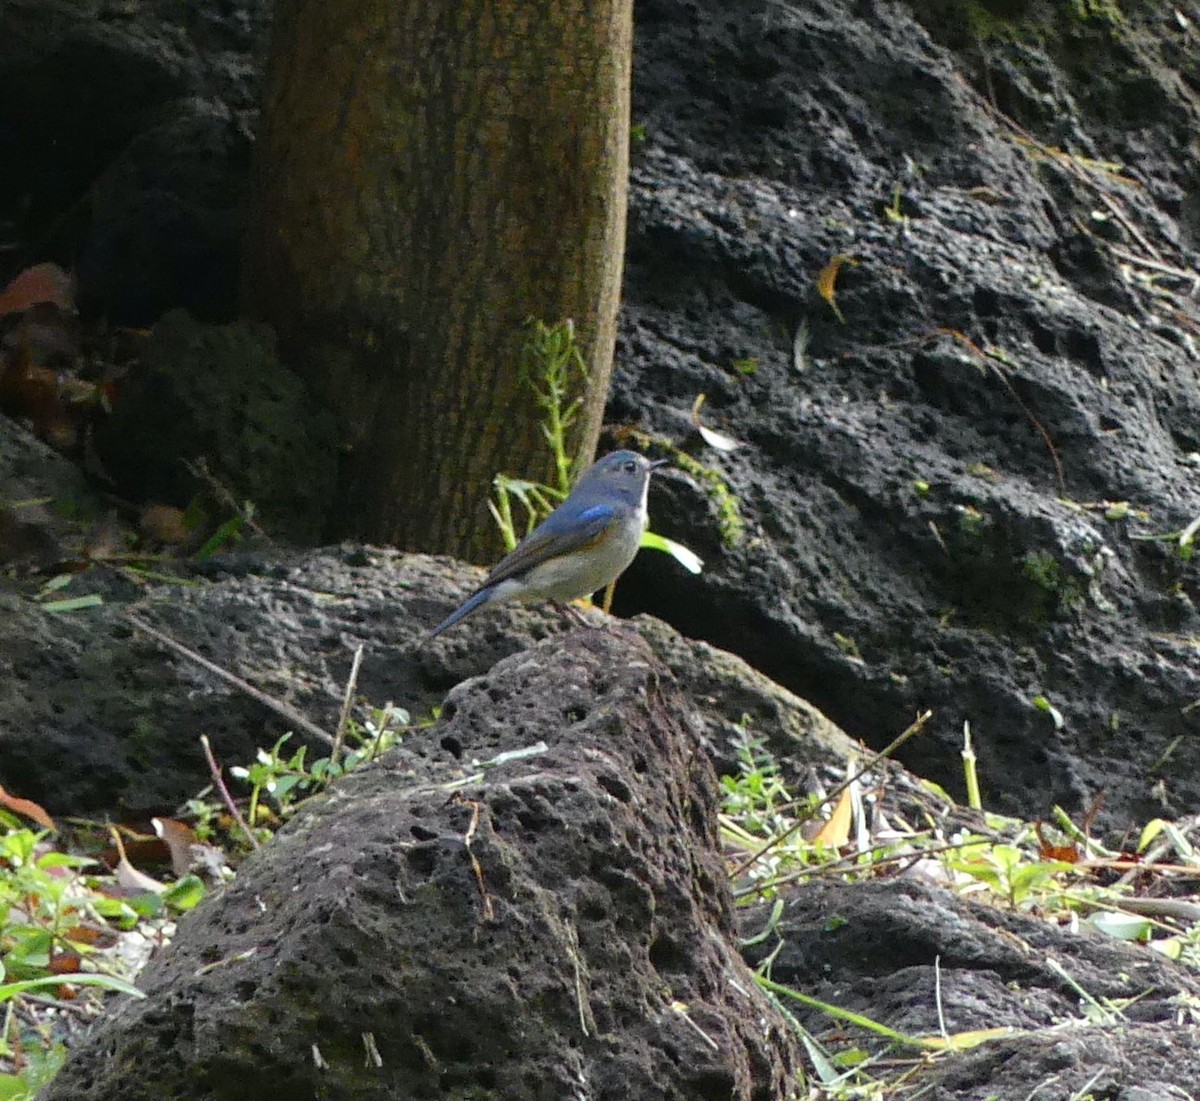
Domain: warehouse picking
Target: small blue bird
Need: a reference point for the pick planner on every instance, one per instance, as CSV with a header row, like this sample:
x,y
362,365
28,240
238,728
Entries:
x,y
582,546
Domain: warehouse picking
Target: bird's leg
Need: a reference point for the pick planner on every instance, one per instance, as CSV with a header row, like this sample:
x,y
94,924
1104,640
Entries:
x,y
574,614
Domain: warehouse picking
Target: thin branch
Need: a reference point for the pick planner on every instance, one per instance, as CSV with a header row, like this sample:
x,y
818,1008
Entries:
x,y
219,783
347,702
278,706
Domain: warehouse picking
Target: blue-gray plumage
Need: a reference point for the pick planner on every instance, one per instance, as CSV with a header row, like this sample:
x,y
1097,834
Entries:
x,y
582,546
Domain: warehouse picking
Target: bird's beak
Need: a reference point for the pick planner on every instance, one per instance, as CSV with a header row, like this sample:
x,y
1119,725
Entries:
x,y
659,462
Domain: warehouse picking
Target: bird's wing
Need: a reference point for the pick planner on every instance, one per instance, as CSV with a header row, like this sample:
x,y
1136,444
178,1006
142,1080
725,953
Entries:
x,y
555,536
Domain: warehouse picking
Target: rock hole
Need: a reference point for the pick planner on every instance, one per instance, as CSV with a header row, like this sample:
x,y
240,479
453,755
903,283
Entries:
x,y
1044,340
452,746
616,787
666,956
422,859
712,1084
423,833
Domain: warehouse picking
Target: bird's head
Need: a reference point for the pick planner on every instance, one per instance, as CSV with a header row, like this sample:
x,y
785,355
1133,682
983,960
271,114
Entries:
x,y
622,472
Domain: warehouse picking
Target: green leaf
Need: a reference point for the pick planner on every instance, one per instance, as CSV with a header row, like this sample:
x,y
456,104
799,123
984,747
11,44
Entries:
x,y
13,1087
108,982
92,600
228,532
1122,926
148,905
184,894
688,559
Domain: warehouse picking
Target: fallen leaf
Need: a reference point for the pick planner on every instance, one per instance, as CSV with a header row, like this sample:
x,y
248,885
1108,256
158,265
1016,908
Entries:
x,y
179,839
128,877
65,963
164,524
27,808
1049,850
828,278
46,334
713,439
836,831
40,283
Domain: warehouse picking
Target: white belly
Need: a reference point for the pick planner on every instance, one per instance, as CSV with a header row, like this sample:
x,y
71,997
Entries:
x,y
579,575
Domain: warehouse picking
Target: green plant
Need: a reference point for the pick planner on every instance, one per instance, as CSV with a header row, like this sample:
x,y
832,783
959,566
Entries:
x,y
50,911
729,516
289,779
552,367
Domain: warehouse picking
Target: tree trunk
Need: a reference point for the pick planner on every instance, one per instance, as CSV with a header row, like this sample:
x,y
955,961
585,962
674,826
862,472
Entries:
x,y
429,176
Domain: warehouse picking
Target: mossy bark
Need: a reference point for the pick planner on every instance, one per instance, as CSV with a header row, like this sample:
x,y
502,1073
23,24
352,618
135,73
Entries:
x,y
429,177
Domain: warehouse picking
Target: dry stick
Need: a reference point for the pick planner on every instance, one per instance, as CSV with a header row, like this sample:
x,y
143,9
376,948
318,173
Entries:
x,y
991,361
347,700
219,783
1072,165
278,706
1154,265
199,470
489,911
913,728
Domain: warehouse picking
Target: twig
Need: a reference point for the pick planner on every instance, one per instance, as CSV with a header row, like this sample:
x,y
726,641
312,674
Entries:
x,y
199,470
913,728
278,706
1154,265
1072,165
219,783
489,911
990,360
347,701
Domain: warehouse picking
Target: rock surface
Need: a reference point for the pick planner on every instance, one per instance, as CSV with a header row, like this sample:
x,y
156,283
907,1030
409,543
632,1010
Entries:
x,y
931,964
962,500
218,395
556,926
911,540
97,717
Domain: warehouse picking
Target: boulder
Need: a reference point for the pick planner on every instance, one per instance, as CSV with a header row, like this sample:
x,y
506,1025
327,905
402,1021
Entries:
x,y
526,900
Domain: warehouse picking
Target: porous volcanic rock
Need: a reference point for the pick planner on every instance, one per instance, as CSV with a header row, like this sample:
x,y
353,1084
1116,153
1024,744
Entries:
x,y
1088,1012
95,717
929,469
554,926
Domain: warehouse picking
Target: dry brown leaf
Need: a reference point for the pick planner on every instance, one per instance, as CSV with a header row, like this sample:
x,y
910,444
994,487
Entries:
x,y
836,831
40,283
164,524
27,808
65,963
179,839
128,877
46,334
1050,850
827,280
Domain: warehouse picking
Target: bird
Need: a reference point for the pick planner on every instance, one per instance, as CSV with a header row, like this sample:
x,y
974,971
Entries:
x,y
582,546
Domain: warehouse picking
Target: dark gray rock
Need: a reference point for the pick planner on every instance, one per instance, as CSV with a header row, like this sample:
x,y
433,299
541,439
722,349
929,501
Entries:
x,y
929,963
558,926
218,394
43,499
909,543
125,132
96,717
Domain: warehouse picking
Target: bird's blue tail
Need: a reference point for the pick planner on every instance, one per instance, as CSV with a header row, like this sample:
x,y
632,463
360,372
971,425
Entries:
x,y
462,611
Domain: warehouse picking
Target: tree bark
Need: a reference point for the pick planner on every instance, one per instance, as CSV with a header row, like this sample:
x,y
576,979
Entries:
x,y
428,177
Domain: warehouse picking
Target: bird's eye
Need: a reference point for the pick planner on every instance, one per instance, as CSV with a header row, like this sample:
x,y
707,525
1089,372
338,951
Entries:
x,y
631,467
